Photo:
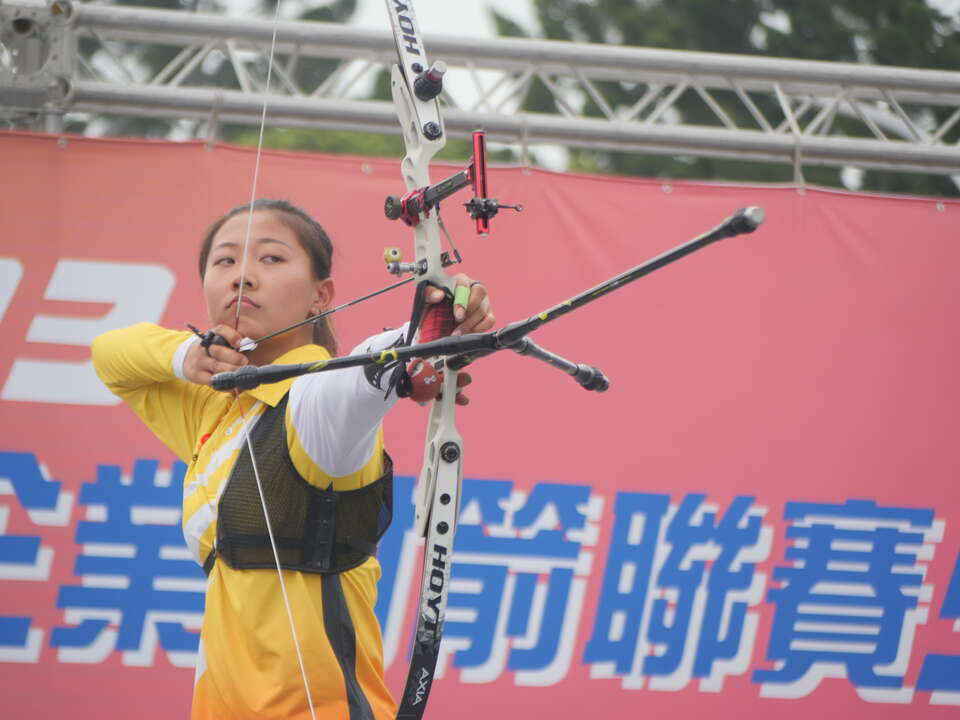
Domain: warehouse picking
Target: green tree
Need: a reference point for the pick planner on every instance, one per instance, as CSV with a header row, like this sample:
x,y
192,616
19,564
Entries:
x,y
884,32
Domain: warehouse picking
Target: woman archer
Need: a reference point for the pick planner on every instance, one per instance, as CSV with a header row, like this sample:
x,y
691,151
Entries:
x,y
314,443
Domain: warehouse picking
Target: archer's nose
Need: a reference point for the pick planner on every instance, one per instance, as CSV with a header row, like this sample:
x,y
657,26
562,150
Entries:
x,y
248,279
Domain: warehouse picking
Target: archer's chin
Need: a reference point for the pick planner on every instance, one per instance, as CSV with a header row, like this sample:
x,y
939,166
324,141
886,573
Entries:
x,y
247,327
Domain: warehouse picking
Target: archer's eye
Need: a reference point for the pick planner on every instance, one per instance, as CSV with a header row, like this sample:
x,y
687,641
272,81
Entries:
x,y
224,261
272,259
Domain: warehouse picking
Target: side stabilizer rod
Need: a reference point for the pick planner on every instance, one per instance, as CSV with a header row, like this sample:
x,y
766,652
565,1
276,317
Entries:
x,y
587,376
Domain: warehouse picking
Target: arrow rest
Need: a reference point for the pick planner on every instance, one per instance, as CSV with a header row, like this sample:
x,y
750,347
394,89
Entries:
x,y
393,256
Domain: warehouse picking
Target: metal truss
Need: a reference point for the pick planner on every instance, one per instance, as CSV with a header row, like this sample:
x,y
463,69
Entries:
x,y
66,58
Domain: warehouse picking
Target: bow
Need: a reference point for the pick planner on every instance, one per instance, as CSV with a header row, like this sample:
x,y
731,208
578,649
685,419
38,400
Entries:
x,y
415,86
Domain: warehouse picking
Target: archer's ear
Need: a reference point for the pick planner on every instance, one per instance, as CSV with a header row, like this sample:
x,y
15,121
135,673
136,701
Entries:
x,y
325,291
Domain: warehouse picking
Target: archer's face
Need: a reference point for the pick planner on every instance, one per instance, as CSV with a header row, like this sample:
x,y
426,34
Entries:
x,y
279,286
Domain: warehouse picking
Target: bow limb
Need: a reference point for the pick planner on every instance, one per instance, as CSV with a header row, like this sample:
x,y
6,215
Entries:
x,y
438,488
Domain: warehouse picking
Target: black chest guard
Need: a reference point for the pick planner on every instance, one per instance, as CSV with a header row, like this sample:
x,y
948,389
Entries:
x,y
316,531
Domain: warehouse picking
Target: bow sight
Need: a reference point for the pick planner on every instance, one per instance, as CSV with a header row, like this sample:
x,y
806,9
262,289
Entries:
x,y
481,208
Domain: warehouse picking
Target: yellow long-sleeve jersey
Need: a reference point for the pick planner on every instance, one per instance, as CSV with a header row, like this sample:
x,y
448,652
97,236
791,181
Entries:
x,y
247,666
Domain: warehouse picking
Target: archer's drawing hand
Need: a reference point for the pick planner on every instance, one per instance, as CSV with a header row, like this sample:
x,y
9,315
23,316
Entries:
x,y
202,363
476,314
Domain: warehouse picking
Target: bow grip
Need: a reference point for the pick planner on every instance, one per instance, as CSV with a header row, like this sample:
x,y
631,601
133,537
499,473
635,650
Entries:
x,y
438,320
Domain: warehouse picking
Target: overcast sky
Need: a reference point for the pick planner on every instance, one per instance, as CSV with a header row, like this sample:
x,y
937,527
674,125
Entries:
x,y
463,17
451,17
470,17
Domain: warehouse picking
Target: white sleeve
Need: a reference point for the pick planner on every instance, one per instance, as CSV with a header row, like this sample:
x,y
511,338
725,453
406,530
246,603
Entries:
x,y
181,355
337,414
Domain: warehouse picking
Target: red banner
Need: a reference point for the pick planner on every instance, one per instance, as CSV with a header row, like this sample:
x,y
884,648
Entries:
x,y
760,515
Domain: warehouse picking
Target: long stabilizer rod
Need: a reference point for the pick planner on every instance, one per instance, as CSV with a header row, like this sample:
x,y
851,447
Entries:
x,y
462,350
745,220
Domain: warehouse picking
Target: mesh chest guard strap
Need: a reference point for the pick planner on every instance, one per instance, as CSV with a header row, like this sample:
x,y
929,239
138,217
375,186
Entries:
x,y
316,531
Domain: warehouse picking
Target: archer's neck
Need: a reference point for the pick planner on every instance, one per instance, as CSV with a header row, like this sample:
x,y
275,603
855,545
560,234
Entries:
x,y
269,350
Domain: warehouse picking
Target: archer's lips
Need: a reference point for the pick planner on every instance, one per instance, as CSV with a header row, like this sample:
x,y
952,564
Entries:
x,y
247,302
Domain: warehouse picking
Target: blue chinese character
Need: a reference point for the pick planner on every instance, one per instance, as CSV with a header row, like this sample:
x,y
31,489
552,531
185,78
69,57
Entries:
x,y
680,584
138,574
32,490
515,598
942,672
33,493
21,556
842,604
626,581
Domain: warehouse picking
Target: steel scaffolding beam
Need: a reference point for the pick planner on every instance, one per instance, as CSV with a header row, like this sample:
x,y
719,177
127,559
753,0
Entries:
x,y
757,108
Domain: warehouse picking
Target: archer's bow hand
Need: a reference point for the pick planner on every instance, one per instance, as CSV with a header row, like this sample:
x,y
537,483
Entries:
x,y
424,383
471,308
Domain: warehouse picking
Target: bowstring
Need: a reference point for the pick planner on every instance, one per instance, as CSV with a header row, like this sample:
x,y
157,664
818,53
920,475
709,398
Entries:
x,y
253,461
276,557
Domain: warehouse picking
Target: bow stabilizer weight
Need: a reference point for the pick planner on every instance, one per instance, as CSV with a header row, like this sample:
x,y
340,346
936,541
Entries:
x,y
429,84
